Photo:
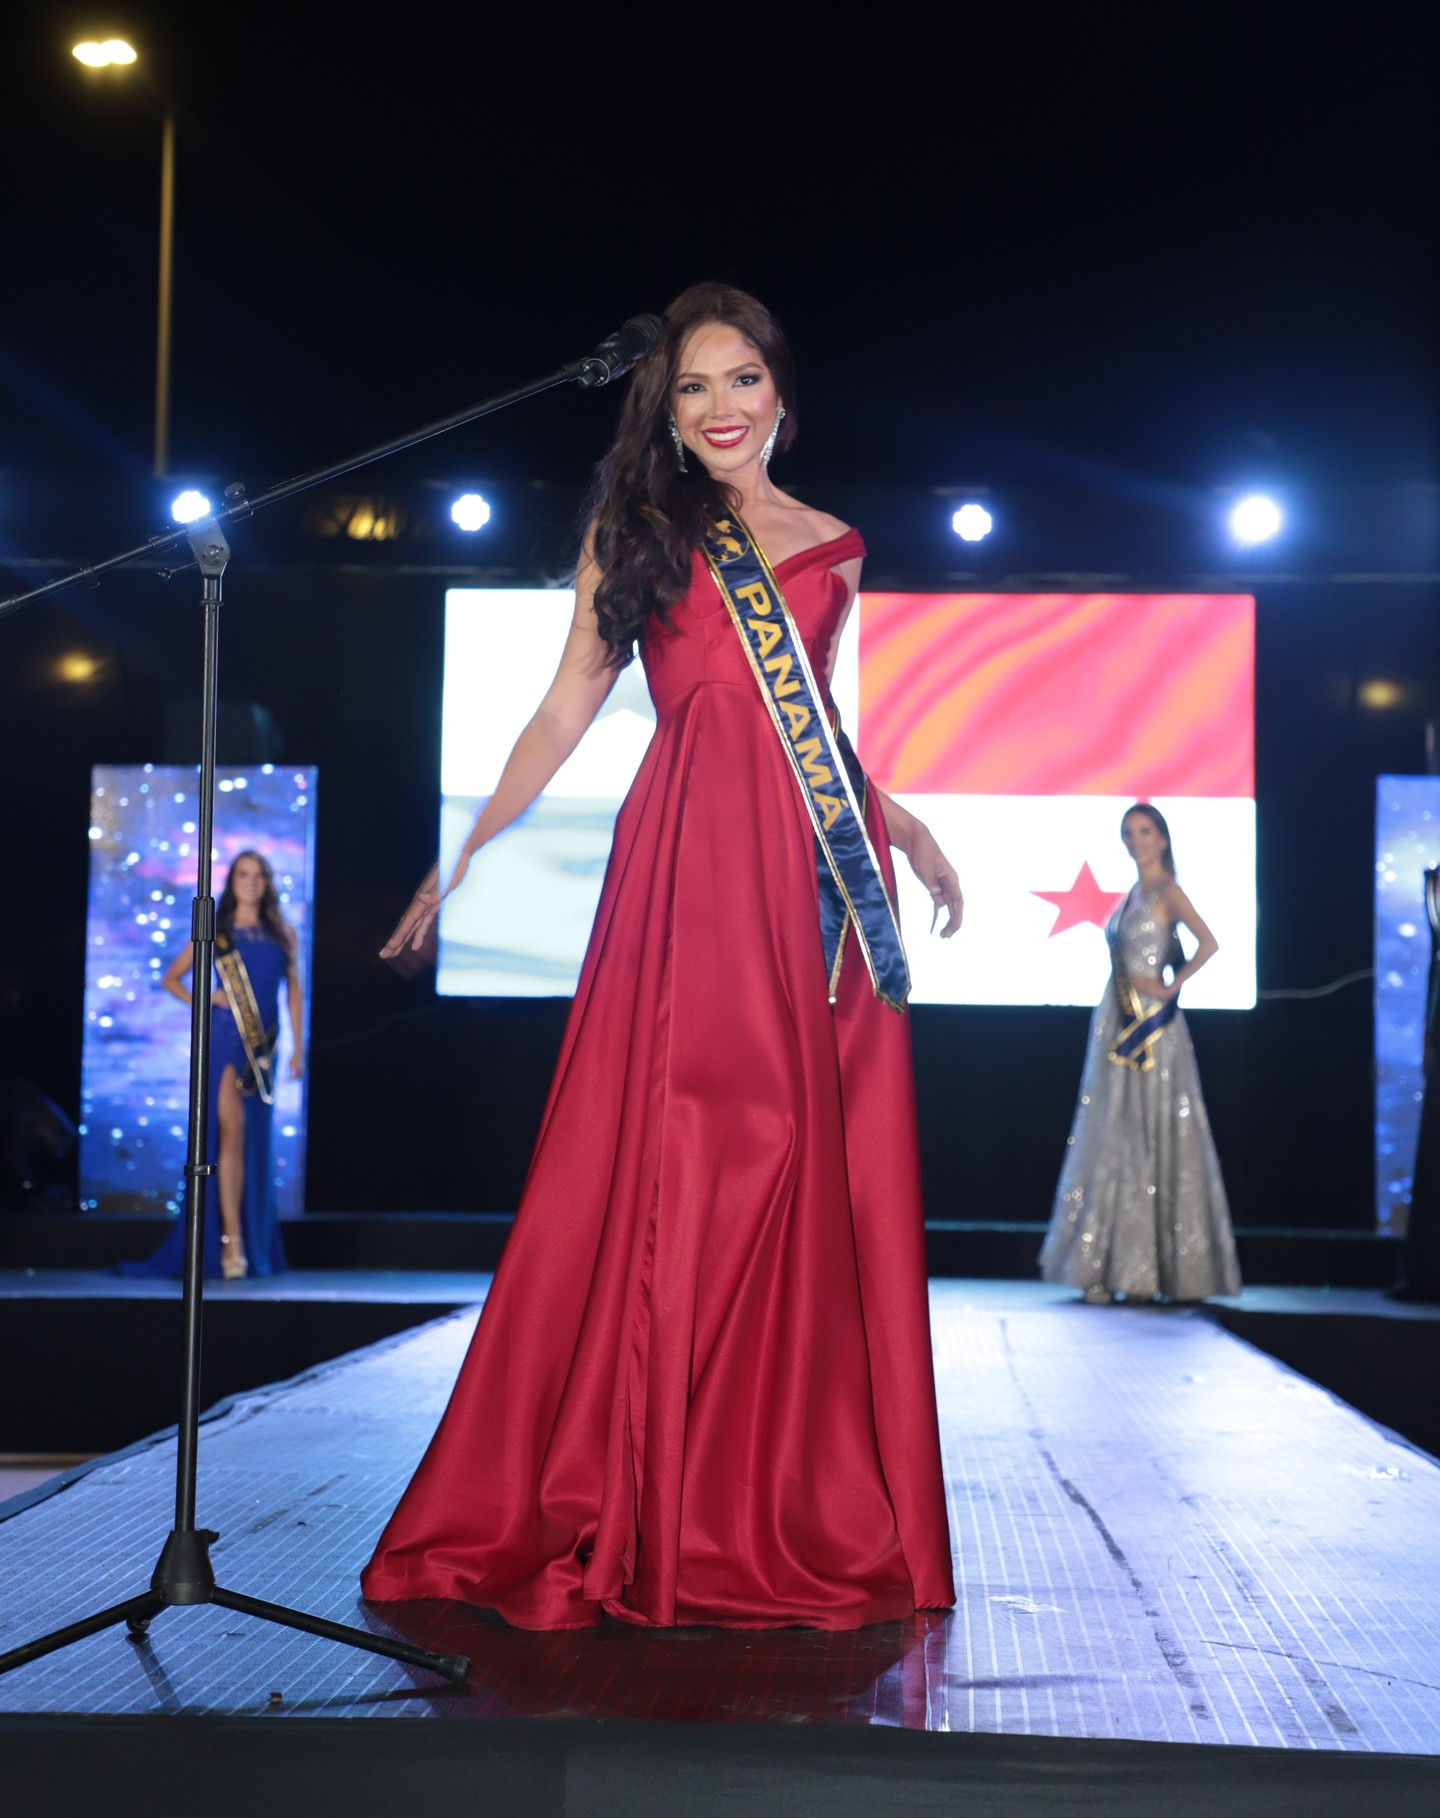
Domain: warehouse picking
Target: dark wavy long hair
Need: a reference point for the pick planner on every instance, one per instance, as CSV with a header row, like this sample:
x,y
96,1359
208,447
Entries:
x,y
269,903
647,517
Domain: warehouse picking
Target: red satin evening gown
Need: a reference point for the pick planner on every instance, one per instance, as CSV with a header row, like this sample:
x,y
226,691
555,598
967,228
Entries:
x,y
701,1389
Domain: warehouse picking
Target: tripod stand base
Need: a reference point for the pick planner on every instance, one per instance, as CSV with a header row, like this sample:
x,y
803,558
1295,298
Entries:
x,y
184,1576
136,1611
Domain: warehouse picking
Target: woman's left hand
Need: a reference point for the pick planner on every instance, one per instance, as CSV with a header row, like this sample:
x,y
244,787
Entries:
x,y
937,874
297,1066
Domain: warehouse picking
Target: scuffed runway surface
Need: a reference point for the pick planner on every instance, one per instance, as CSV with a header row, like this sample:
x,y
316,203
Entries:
x,y
1160,1533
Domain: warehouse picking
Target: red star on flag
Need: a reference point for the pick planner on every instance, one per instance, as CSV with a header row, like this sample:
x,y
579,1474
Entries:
x,y
1083,902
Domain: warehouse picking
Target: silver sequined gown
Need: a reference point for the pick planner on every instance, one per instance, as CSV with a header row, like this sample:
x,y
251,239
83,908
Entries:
x,y
1140,1208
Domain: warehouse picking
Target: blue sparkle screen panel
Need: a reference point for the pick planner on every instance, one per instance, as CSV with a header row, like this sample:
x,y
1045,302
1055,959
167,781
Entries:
x,y
1407,844
136,1046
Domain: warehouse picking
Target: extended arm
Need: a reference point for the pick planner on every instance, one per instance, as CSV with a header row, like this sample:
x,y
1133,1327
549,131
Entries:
x,y
295,999
582,681
183,962
909,835
927,861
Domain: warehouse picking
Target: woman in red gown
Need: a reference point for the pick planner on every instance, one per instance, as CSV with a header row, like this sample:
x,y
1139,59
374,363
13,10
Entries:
x,y
701,1389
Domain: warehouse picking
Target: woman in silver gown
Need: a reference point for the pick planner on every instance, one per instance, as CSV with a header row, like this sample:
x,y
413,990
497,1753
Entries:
x,y
1140,1209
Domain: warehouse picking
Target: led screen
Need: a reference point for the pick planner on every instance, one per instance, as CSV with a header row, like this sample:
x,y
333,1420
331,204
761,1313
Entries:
x,y
1407,844
1019,726
137,1037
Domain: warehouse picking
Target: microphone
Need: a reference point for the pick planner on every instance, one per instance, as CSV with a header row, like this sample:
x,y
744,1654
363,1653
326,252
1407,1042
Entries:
x,y
617,353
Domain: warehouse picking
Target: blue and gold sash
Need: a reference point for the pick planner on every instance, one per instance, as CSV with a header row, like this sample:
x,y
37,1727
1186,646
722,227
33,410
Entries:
x,y
260,1044
832,784
1146,1018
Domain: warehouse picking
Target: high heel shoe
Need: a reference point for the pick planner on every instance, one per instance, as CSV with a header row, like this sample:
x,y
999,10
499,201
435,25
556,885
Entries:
x,y
233,1266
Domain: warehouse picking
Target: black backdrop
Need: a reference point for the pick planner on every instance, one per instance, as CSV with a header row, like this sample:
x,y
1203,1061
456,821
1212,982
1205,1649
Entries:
x,y
419,1103
1014,246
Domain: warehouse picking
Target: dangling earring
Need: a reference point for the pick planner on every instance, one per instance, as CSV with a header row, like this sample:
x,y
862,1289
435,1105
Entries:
x,y
769,448
679,442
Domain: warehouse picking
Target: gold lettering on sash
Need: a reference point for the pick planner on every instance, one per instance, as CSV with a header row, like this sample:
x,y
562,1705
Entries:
x,y
829,807
798,716
769,635
818,773
784,682
783,673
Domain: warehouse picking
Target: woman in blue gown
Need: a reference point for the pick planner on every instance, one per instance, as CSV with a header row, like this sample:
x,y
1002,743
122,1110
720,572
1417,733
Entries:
x,y
256,949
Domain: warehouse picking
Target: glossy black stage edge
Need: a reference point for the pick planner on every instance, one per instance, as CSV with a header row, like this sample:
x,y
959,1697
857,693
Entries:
x,y
985,1249
74,1404
1382,1356
589,1768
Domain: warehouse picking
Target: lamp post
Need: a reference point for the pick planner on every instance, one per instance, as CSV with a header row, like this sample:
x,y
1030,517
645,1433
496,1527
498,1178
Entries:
x,y
162,312
115,53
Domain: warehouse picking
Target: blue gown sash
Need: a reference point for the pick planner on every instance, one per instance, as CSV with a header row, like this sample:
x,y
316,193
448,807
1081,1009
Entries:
x,y
831,782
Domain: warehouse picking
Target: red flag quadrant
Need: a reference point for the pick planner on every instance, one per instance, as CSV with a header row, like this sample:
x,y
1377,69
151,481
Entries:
x,y
1139,695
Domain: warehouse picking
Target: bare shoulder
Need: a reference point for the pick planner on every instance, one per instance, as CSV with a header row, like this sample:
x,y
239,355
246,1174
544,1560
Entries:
x,y
825,525
819,526
785,527
1178,906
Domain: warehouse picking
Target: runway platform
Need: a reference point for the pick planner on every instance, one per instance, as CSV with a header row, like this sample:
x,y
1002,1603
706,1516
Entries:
x,y
1189,1580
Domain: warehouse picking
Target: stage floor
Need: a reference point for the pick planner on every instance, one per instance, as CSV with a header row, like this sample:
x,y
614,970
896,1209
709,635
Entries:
x,y
1160,1533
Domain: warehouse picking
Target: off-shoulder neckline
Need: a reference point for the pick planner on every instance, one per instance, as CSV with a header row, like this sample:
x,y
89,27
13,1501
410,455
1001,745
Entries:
x,y
814,548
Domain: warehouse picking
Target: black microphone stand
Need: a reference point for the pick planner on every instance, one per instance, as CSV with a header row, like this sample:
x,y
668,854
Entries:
x,y
184,1574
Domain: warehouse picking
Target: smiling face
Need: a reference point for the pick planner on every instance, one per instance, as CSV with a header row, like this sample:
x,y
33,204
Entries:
x,y
724,399
1143,840
247,881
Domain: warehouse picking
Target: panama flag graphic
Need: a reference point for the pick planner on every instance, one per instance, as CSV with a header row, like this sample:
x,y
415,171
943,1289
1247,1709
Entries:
x,y
1019,727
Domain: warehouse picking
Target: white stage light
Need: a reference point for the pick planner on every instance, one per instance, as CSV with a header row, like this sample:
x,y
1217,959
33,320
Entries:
x,y
470,511
1255,520
972,522
190,507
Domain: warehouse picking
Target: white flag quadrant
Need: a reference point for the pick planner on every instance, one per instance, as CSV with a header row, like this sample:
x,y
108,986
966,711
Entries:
x,y
1019,946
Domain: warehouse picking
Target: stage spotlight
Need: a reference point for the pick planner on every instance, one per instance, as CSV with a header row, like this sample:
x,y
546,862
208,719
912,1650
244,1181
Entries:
x,y
972,523
1255,520
470,511
190,507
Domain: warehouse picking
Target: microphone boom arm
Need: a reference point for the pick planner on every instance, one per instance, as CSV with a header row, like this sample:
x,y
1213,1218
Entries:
x,y
615,355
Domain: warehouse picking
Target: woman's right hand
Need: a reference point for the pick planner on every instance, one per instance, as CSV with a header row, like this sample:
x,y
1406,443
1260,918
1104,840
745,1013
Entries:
x,y
937,874
414,925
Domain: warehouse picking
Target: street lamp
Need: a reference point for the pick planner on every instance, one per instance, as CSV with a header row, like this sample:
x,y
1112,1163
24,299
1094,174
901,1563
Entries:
x,y
101,56
115,53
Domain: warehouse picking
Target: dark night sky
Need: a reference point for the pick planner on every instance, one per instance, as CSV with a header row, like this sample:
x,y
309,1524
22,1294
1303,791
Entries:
x,y
1197,248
